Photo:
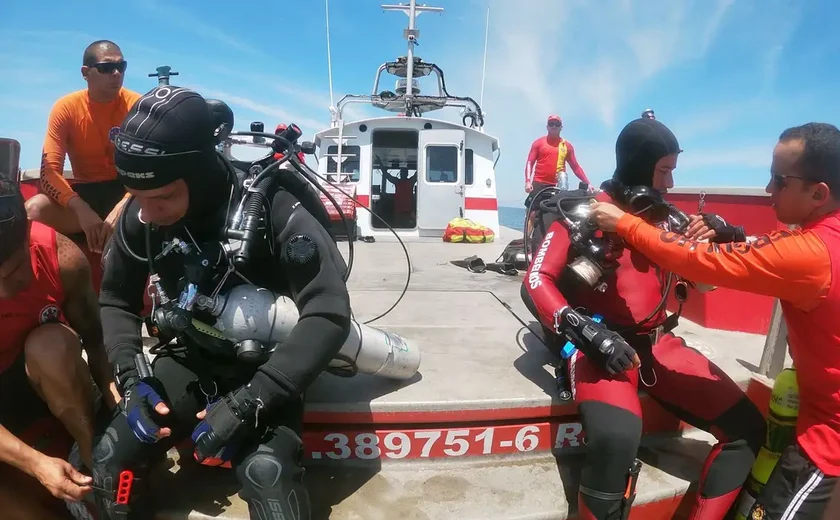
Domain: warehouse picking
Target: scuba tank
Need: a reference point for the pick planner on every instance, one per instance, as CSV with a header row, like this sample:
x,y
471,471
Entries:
x,y
252,317
781,430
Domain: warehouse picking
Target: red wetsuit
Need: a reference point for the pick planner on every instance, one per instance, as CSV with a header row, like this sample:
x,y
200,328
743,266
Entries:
x,y
39,303
681,379
548,157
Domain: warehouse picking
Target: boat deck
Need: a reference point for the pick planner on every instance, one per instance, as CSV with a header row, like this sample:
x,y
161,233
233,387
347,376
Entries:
x,y
483,368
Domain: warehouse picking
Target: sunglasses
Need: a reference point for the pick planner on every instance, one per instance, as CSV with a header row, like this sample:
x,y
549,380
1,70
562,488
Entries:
x,y
557,125
779,180
108,67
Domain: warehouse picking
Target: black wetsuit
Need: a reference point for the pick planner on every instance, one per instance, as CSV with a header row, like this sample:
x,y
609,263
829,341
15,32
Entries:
x,y
318,289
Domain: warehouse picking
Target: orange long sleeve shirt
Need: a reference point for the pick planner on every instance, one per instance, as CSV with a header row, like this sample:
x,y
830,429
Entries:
x,y
798,267
790,265
81,129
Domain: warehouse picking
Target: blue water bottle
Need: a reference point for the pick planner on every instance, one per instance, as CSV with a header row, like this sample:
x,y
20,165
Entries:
x,y
563,387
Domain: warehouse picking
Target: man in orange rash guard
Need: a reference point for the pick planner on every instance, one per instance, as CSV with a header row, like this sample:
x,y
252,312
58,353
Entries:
x,y
80,126
604,372
802,269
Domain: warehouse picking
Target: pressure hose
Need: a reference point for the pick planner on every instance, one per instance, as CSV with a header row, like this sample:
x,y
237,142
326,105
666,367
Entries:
x,y
255,198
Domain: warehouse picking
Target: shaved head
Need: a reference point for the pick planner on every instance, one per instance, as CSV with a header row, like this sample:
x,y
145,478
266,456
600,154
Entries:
x,y
96,48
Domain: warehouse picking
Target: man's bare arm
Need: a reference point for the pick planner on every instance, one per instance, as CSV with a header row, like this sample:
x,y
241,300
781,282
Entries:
x,y
17,453
81,309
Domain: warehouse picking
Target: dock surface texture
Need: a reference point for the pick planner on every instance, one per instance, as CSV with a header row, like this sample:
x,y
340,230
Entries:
x,y
479,433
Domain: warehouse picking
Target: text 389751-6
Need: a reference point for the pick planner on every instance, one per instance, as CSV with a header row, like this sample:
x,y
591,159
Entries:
x,y
441,442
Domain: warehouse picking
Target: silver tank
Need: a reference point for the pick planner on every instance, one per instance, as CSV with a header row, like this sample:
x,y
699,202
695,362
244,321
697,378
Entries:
x,y
249,312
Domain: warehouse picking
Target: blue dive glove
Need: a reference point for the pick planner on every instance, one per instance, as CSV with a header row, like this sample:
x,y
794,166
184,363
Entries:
x,y
228,421
140,402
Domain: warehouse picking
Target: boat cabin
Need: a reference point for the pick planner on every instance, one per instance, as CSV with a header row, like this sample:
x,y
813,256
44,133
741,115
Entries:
x,y
415,173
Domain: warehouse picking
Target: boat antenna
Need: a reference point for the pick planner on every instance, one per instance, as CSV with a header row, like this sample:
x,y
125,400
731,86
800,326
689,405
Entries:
x,y
329,57
484,67
162,73
411,34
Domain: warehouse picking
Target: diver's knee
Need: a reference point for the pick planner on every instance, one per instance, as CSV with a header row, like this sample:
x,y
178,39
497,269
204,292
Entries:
x,y
274,464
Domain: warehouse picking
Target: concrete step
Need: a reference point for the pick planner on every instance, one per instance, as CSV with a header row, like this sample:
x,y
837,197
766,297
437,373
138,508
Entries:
x,y
529,486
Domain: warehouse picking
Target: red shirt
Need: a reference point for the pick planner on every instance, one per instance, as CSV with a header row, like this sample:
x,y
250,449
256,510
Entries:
x,y
548,157
802,269
39,303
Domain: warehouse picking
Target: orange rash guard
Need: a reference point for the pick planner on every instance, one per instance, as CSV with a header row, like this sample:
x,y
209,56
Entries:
x,y
81,129
766,266
798,267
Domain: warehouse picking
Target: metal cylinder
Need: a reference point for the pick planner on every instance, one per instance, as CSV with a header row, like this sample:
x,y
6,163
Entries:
x,y
251,313
380,353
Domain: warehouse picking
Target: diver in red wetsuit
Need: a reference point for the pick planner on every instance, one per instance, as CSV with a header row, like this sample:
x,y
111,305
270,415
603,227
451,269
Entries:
x,y
604,371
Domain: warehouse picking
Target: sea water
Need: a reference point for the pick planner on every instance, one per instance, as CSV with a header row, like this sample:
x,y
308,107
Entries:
x,y
512,217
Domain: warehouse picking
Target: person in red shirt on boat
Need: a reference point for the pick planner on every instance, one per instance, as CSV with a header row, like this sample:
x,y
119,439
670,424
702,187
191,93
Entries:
x,y
633,344
80,126
802,269
403,195
48,313
546,164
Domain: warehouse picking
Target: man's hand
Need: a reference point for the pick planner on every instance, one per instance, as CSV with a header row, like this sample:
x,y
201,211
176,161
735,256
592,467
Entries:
x,y
61,479
529,187
90,223
605,216
110,222
714,228
698,229
141,401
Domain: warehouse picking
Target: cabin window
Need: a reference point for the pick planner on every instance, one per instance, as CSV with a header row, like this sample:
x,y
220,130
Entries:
x,y
468,168
441,164
350,164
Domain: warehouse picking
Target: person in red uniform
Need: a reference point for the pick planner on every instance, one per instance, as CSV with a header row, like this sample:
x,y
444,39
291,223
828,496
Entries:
x,y
546,164
606,368
403,196
802,269
48,313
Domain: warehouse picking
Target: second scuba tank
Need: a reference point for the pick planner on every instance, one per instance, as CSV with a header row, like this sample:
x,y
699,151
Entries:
x,y
781,430
251,314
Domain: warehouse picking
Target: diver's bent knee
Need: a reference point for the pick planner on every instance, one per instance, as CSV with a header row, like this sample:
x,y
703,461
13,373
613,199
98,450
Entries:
x,y
35,207
271,466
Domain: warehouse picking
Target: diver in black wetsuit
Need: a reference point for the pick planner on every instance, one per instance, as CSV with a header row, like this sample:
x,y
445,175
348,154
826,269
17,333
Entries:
x,y
240,412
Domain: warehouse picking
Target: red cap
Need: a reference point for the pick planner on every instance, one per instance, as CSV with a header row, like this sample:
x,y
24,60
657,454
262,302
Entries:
x,y
555,117
280,128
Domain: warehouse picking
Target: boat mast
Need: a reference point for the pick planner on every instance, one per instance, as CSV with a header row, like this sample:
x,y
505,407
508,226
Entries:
x,y
162,74
411,34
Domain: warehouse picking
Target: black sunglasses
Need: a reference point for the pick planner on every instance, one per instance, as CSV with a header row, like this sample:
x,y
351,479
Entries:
x,y
555,124
779,180
108,67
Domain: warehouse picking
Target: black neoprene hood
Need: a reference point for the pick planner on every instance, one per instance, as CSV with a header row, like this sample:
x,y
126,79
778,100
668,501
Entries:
x,y
639,147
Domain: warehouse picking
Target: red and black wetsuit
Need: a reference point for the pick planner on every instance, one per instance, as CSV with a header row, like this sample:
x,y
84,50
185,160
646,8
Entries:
x,y
679,378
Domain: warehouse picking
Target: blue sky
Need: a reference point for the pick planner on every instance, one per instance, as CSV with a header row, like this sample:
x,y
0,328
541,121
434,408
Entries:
x,y
726,75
